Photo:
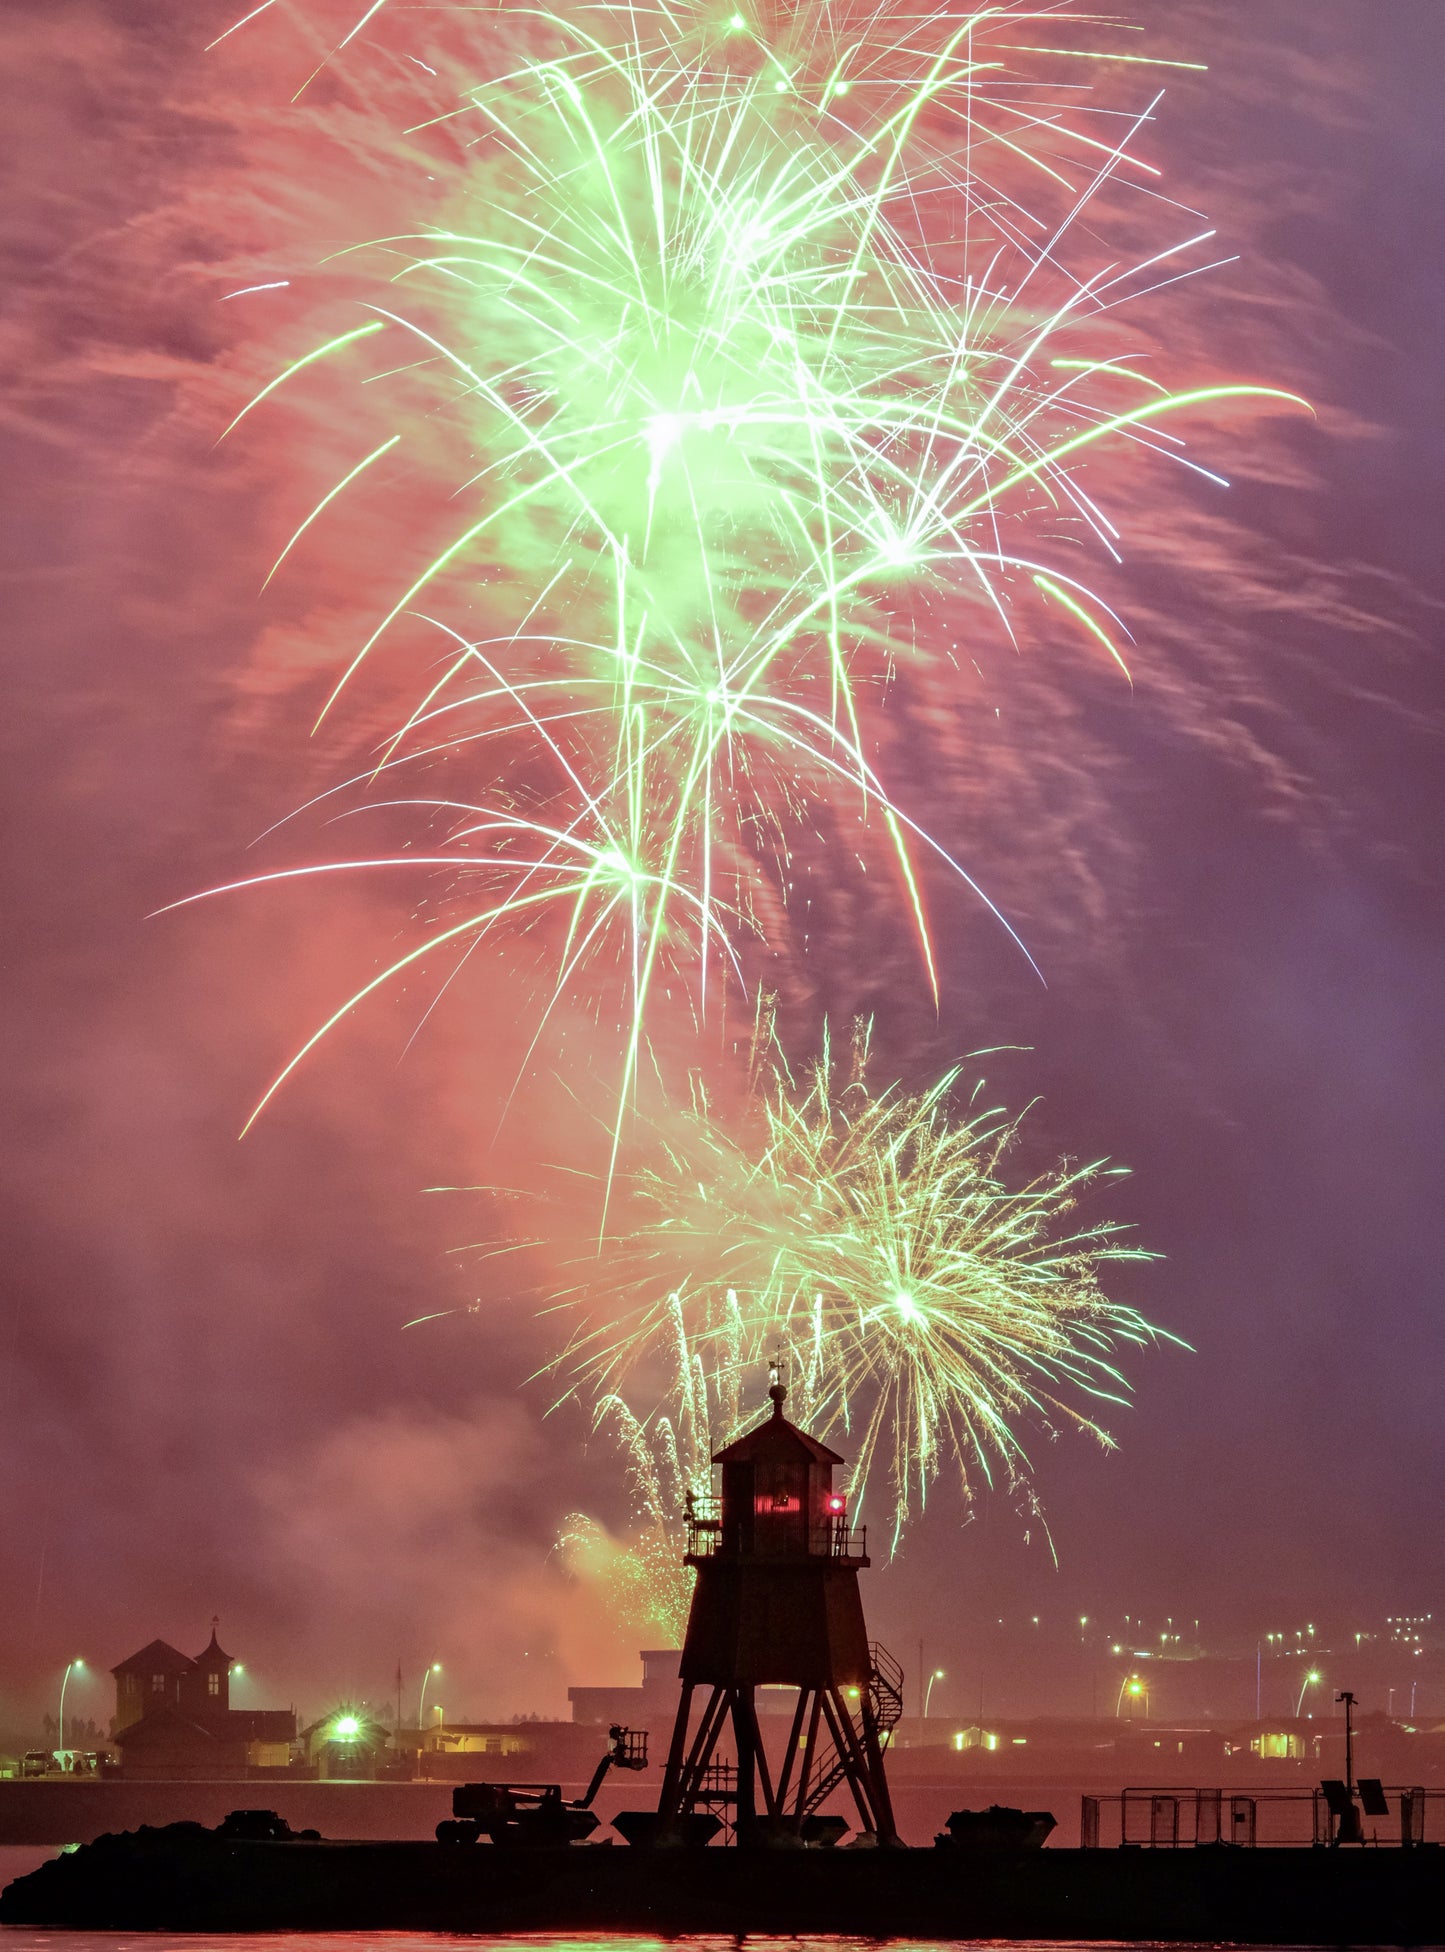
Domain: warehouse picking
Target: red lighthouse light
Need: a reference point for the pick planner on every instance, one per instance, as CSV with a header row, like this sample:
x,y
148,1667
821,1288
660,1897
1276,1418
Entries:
x,y
837,1502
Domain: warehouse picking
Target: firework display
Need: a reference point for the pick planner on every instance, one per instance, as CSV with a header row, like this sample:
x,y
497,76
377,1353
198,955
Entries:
x,y
872,1243
667,1456
752,346
753,340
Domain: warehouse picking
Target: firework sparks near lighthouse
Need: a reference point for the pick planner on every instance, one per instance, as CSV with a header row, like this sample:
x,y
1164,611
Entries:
x,y
667,1459
923,1304
741,341
748,361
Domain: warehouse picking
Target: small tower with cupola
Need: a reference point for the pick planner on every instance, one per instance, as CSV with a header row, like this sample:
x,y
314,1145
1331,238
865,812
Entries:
x,y
206,1690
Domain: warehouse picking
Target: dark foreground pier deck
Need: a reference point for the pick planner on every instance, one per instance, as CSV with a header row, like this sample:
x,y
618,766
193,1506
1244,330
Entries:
x,y
187,1879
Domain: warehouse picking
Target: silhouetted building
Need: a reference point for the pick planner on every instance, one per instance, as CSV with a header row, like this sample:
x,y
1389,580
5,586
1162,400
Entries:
x,y
174,1720
348,1745
652,1706
156,1678
499,1751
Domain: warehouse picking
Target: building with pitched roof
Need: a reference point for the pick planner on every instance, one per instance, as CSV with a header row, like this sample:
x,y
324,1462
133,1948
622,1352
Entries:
x,y
174,1720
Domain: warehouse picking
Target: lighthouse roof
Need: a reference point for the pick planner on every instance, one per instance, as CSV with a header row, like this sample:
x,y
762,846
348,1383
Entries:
x,y
772,1435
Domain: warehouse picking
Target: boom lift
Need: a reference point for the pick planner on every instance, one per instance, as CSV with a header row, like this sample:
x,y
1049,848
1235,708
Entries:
x,y
535,1813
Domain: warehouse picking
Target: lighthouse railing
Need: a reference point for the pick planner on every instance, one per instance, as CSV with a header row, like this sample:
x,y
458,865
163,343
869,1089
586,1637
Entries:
x,y
835,1538
832,1537
703,1515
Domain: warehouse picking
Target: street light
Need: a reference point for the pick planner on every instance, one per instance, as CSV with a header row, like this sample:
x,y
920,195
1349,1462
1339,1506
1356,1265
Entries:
x,y
936,1675
1349,1700
435,1668
60,1744
1309,1681
1133,1687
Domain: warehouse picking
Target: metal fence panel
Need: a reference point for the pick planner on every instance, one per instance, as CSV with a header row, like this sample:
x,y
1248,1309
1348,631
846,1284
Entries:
x,y
1163,1820
1265,1818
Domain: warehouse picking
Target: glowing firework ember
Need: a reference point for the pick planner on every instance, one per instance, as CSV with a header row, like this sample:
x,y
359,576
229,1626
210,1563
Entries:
x,y
922,1303
748,336
668,1462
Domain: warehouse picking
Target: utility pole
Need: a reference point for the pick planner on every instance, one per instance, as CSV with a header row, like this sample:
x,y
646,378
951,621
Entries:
x,y
1349,1701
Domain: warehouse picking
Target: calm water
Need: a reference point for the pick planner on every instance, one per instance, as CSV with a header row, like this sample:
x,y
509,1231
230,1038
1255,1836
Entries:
x,y
14,1939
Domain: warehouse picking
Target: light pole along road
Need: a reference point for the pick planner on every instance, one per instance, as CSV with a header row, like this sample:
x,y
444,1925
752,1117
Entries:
x,y
60,1719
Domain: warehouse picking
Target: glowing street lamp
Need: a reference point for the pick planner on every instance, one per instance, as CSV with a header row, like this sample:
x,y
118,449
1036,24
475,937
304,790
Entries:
x,y
1134,1688
1310,1681
936,1675
435,1668
60,1743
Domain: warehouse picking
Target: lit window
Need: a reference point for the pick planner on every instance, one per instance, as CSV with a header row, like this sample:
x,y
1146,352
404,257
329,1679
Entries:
x,y
213,1684
158,1684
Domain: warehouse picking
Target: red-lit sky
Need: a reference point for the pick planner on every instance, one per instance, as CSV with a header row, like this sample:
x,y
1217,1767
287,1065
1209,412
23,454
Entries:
x,y
1230,876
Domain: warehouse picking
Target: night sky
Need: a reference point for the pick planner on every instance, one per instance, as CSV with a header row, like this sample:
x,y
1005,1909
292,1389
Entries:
x,y
1230,876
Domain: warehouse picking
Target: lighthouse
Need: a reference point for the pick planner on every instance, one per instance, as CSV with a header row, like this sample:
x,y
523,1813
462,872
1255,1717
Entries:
x,y
776,1604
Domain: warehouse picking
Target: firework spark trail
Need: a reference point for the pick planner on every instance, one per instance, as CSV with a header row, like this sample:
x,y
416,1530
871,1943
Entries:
x,y
772,325
922,1303
668,1462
